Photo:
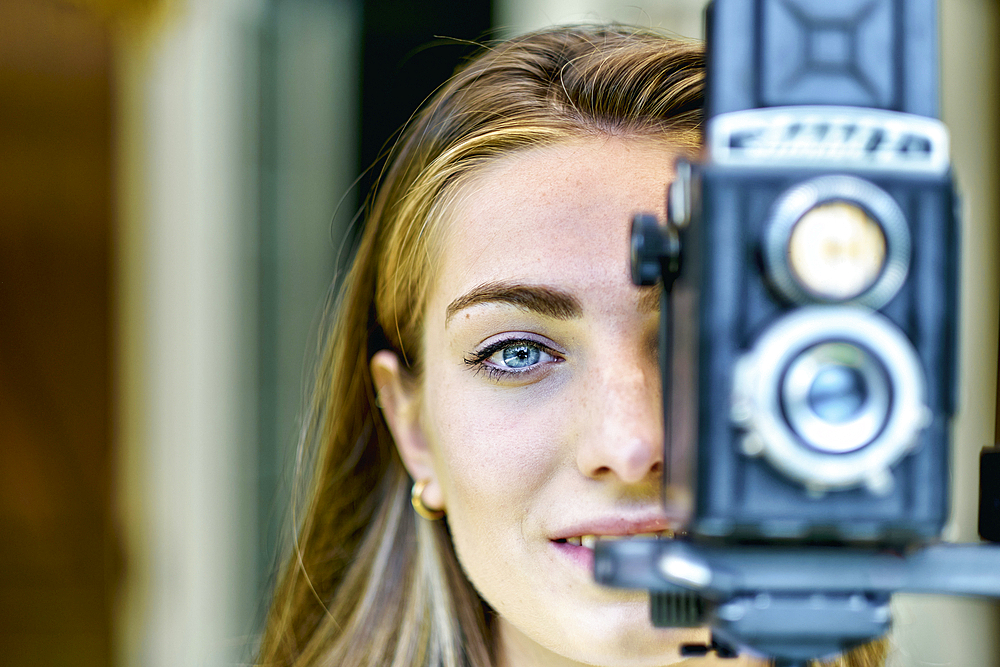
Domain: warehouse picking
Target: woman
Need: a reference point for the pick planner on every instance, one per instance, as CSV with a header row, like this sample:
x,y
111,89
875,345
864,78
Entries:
x,y
492,368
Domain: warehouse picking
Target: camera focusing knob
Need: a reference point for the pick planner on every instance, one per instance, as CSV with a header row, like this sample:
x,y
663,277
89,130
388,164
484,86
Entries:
x,y
655,250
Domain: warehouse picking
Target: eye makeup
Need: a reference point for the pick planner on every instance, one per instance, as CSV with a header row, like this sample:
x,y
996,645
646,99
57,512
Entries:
x,y
512,356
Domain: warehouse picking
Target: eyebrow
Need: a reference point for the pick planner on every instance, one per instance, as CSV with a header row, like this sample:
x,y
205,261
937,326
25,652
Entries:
x,y
536,298
542,300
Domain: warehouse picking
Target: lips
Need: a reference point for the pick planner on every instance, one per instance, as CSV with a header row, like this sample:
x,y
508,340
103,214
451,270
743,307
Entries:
x,y
612,527
588,541
579,547
576,540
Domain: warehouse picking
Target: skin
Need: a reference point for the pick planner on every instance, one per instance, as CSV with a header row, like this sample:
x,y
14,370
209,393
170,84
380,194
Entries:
x,y
536,250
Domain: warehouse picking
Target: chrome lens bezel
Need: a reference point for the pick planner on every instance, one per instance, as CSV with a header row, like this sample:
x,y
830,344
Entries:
x,y
881,208
821,434
757,398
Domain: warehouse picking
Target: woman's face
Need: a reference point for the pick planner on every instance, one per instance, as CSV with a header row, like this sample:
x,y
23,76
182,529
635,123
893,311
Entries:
x,y
537,417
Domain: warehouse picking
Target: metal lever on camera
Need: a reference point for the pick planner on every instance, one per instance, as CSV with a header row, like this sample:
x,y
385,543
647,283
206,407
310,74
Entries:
x,y
795,603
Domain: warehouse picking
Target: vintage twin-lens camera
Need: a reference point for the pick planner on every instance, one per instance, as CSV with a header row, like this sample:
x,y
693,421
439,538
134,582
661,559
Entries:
x,y
825,276
808,340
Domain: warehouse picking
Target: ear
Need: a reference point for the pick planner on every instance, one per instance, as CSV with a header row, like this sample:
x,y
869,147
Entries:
x,y
399,399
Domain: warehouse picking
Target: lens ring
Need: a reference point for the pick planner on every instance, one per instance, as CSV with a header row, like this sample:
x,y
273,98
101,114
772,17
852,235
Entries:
x,y
860,397
758,394
809,195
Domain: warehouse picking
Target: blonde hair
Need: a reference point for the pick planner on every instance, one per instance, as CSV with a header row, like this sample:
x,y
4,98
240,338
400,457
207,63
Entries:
x,y
367,583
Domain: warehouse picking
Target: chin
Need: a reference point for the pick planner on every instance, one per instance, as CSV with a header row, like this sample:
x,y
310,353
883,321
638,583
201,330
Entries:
x,y
621,636
633,646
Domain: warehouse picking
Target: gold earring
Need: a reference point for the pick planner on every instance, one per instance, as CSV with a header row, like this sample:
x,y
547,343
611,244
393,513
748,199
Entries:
x,y
417,501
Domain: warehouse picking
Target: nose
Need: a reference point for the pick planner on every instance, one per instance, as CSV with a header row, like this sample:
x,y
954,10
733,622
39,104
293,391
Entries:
x,y
621,434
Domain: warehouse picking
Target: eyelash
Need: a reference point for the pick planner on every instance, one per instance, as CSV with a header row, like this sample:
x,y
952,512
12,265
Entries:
x,y
477,361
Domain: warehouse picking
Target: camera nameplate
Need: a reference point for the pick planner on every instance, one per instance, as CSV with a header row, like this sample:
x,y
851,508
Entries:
x,y
831,138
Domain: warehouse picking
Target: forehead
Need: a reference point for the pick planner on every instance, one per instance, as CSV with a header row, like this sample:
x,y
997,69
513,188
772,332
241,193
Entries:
x,y
553,213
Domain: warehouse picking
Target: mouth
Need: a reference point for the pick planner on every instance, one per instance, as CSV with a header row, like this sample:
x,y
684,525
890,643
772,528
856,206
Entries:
x,y
579,549
588,541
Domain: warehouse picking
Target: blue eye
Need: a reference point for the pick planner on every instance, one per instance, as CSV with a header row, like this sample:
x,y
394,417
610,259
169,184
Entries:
x,y
507,358
520,355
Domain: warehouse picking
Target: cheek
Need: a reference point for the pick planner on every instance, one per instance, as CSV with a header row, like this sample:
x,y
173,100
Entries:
x,y
495,451
486,444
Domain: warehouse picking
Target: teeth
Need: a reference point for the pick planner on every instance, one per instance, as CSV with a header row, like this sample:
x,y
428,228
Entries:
x,y
613,538
589,541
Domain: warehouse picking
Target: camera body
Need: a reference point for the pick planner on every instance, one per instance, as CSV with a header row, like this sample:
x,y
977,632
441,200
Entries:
x,y
816,283
809,267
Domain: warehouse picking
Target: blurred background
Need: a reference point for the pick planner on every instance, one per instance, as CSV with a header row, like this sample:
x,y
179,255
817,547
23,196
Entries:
x,y
179,188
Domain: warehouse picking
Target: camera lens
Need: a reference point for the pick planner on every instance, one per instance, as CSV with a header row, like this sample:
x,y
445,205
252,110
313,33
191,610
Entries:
x,y
837,394
836,240
832,397
836,251
836,397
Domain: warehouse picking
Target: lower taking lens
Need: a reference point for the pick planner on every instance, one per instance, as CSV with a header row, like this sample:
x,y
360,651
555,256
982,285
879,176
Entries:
x,y
836,397
837,394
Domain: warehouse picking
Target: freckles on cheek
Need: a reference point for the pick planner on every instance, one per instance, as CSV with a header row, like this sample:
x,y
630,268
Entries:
x,y
490,459
495,456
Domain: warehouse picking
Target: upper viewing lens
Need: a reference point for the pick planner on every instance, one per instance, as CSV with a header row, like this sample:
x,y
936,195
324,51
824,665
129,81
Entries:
x,y
836,251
